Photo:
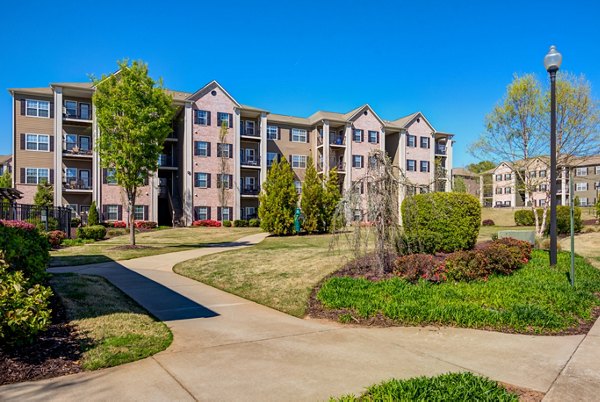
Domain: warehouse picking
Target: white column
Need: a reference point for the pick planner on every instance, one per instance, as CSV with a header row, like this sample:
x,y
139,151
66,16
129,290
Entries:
x,y
348,157
96,167
513,191
188,170
237,165
263,148
326,148
58,140
15,171
382,140
563,188
449,151
154,197
481,190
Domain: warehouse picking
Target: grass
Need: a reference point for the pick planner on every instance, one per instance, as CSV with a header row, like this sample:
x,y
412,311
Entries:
x,y
114,329
486,232
279,272
445,387
155,242
535,299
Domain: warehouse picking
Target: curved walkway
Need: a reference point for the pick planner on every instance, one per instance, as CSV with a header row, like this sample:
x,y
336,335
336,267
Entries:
x,y
228,348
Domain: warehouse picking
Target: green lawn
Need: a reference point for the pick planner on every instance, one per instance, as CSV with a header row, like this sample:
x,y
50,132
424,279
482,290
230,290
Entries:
x,y
535,299
155,242
113,328
279,272
486,232
445,387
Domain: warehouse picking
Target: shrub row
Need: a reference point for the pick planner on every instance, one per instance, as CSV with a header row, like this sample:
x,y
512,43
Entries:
x,y
525,217
96,232
500,257
241,223
207,222
146,225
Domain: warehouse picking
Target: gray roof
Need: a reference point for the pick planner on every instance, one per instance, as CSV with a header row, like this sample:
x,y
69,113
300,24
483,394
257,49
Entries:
x,y
5,158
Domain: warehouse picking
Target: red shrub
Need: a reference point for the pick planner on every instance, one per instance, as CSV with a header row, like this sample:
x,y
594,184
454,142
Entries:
x,y
119,224
55,238
413,267
17,224
145,224
487,222
207,222
503,259
524,246
465,266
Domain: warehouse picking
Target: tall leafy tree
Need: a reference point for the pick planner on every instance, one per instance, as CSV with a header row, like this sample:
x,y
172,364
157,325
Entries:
x,y
44,196
481,166
311,200
6,179
331,198
278,200
134,117
459,185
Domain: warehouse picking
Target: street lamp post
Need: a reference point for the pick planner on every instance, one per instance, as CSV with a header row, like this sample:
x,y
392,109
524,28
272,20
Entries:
x,y
552,63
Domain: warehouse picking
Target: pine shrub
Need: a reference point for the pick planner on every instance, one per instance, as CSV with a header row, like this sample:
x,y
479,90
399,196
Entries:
x,y
278,200
93,218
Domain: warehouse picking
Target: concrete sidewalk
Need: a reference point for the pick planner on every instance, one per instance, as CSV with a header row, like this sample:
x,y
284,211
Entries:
x,y
228,348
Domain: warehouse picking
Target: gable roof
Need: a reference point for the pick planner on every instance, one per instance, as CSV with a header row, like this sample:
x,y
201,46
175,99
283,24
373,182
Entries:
x,y
209,87
406,121
281,118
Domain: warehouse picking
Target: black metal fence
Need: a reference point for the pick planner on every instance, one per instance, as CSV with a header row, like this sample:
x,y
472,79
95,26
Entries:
x,y
45,218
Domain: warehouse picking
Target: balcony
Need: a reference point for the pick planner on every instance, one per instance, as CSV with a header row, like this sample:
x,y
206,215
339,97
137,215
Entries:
x,y
440,149
250,163
77,185
76,151
335,140
251,132
71,115
167,161
253,191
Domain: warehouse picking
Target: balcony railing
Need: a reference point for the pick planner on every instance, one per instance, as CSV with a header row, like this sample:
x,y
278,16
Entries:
x,y
77,185
250,190
250,162
75,150
334,139
75,115
440,149
250,132
167,161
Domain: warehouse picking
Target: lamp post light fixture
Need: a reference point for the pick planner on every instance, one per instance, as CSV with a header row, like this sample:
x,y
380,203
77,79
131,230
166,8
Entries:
x,y
552,63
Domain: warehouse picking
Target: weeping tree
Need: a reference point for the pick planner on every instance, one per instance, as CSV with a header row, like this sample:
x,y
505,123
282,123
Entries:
x,y
134,116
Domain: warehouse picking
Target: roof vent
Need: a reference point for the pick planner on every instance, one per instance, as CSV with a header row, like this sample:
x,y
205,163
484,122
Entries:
x,y
214,93
365,112
418,119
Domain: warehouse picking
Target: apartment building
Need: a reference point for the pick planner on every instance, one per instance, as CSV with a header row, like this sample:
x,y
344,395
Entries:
x,y
468,178
508,186
202,173
5,164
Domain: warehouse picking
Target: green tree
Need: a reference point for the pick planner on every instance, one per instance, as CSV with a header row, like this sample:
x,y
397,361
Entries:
x,y
44,197
459,185
331,198
576,201
93,218
311,200
134,116
481,166
278,200
6,180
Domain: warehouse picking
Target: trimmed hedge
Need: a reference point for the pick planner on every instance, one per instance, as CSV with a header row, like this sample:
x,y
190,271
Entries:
x,y
563,219
450,220
240,223
254,223
207,223
96,232
525,217
24,249
227,223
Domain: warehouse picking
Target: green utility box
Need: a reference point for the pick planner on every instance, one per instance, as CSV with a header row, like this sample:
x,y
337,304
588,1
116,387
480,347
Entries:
x,y
525,235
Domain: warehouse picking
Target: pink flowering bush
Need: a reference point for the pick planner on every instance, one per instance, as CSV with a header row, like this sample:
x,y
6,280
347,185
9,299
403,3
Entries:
x,y
207,222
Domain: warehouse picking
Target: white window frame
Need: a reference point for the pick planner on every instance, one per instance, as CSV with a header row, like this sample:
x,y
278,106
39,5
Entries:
x,y
250,155
272,135
507,190
199,174
224,180
271,157
73,207
597,168
373,140
88,182
202,211
426,166
408,169
220,118
408,142
223,150
580,171
72,177
358,158
110,176
67,109
299,135
299,161
37,142
204,120
197,148
37,175
542,173
421,142
250,182
581,186
583,201
357,135
225,215
250,125
89,148
298,186
136,212
75,143
507,176
89,112
37,108
110,212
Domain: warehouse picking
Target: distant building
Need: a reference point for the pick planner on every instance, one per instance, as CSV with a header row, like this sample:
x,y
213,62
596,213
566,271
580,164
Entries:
x,y
470,179
5,164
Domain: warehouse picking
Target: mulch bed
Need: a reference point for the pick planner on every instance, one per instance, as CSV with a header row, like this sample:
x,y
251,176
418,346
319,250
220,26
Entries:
x,y
364,268
56,352
525,394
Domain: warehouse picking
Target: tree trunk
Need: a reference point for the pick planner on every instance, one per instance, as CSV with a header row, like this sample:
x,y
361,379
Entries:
x,y
131,220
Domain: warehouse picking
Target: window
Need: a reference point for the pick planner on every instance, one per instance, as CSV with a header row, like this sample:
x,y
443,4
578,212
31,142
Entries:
x,y
425,142
532,174
507,176
372,161
201,148
70,176
271,156
70,141
498,190
224,117
543,187
506,203
110,176
72,207
138,213
498,177
299,161
250,183
250,212
272,132
583,201
357,161
226,214
225,180
581,186
541,203
298,135
248,127
71,109
598,170
298,185
374,137
424,166
411,165
224,150
249,155
411,141
542,173
37,175
201,180
37,108
84,209
85,143
201,213
202,117
37,142
85,178
357,135
112,212
84,111
507,190
357,215
581,171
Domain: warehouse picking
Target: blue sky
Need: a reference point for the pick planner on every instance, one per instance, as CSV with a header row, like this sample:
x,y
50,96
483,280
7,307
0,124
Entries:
x,y
451,60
